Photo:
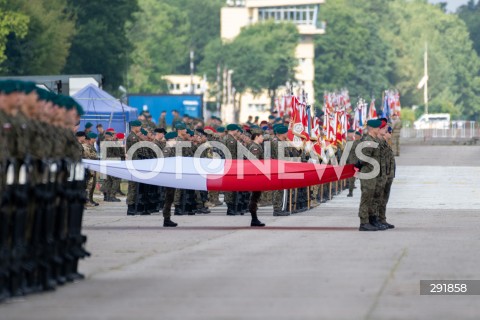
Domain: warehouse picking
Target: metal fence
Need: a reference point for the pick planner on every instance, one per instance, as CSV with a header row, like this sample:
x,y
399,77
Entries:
x,y
456,130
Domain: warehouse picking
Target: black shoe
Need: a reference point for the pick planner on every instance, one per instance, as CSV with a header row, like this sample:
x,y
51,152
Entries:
x,y
113,199
121,193
374,222
388,225
367,227
257,223
281,213
105,196
131,210
169,223
350,194
203,210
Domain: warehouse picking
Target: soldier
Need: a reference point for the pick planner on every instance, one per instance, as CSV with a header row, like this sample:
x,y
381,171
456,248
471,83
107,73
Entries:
x,y
112,184
162,120
176,118
91,176
396,129
390,167
88,127
371,150
230,140
381,177
182,196
277,196
256,149
101,135
169,151
132,194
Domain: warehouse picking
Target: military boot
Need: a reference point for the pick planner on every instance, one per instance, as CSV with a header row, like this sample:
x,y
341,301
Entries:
x,y
131,210
230,210
169,223
374,222
367,227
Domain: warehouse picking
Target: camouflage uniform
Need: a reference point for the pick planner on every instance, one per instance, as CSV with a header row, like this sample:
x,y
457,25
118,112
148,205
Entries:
x,y
132,186
397,127
91,177
231,197
352,159
390,173
368,185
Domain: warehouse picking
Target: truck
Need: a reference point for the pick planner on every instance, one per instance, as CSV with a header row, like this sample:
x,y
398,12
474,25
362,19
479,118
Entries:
x,y
185,104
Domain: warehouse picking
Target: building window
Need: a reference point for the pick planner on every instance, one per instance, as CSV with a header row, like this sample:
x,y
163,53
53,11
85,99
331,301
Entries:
x,y
300,15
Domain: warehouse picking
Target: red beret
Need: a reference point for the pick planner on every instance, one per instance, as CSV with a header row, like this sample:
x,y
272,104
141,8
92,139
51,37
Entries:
x,y
120,135
110,130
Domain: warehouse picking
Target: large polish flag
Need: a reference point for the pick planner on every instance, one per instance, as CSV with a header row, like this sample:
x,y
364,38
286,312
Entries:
x,y
222,175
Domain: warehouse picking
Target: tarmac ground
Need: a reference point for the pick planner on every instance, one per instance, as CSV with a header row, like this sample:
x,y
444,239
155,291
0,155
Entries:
x,y
313,265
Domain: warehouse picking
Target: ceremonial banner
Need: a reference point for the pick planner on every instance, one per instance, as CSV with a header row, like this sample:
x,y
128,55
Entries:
x,y
222,175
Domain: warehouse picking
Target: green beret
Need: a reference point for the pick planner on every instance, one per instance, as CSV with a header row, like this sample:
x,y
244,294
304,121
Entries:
x,y
232,127
109,133
271,117
144,132
171,135
351,131
180,126
358,133
221,129
92,135
281,129
135,123
374,123
190,132
88,125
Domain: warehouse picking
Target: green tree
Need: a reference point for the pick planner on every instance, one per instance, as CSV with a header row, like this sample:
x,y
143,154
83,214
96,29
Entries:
x,y
204,26
100,44
11,22
352,53
470,14
453,64
45,48
159,35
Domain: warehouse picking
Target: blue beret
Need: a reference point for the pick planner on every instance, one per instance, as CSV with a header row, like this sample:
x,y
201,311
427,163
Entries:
x,y
232,127
281,129
92,135
221,129
135,123
374,123
390,130
171,135
180,126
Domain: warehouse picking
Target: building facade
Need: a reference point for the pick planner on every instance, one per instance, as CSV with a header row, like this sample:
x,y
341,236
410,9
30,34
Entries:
x,y
303,13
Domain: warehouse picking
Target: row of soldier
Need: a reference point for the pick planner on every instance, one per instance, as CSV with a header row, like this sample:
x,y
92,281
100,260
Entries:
x,y
145,199
41,188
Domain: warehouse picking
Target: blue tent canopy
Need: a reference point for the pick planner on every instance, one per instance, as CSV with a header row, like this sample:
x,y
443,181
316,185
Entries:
x,y
101,107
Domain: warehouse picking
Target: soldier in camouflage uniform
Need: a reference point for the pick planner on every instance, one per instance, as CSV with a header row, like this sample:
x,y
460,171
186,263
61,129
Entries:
x,y
382,176
372,150
132,139
256,150
169,151
162,120
89,152
390,172
230,141
396,130
182,196
112,184
277,196
213,196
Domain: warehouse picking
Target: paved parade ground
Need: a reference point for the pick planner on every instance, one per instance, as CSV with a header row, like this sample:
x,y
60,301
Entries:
x,y
314,265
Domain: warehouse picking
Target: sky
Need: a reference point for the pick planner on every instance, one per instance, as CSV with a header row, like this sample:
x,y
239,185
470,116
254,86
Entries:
x,y
452,5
